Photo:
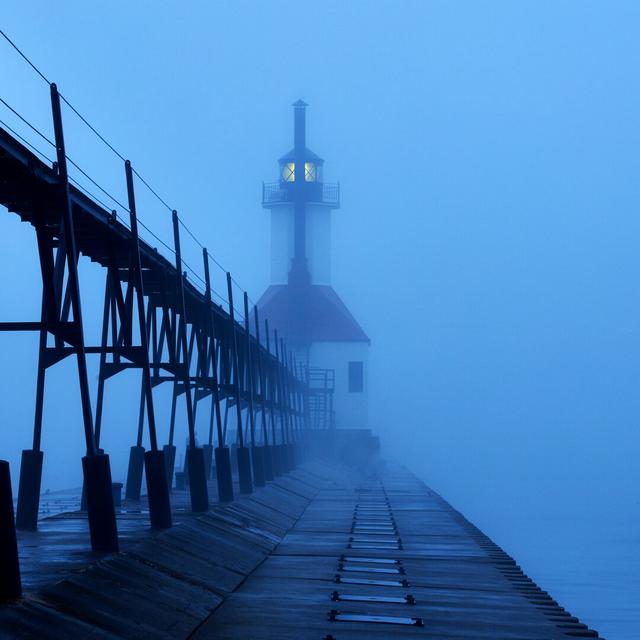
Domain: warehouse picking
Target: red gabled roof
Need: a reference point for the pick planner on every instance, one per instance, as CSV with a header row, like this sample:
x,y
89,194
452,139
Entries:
x,y
314,313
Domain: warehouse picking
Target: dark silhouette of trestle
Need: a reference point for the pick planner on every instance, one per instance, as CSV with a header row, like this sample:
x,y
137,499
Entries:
x,y
154,320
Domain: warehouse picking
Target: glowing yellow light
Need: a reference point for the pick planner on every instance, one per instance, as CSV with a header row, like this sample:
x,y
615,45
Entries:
x,y
289,172
309,172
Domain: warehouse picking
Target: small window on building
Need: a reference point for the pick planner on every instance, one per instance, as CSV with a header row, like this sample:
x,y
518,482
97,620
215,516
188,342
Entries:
x,y
356,377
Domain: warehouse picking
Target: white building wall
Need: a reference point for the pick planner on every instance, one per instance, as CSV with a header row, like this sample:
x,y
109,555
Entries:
x,y
318,243
281,243
351,408
318,246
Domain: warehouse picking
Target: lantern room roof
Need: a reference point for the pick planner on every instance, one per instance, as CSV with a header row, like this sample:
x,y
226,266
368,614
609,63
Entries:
x,y
314,314
309,156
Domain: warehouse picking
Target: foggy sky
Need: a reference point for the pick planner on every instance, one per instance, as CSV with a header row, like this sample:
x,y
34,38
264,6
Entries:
x,y
487,240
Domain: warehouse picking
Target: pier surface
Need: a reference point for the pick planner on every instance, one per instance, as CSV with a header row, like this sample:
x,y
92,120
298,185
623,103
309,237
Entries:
x,y
323,553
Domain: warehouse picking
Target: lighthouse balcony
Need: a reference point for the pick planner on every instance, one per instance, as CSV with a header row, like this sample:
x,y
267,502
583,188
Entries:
x,y
282,192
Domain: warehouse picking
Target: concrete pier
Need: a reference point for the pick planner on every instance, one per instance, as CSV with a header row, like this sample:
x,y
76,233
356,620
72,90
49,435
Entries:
x,y
323,552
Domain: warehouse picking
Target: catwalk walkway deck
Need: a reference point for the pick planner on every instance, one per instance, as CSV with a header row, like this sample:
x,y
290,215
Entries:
x,y
319,554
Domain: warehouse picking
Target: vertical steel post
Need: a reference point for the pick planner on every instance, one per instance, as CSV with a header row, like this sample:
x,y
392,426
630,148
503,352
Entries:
x,y
280,387
224,476
271,375
284,449
301,404
290,408
249,379
155,472
103,355
209,349
96,468
195,455
236,366
243,455
72,264
298,409
257,457
303,411
293,366
267,449
304,377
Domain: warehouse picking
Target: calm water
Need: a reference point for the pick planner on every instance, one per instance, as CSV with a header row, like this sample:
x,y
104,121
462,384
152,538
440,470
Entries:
x,y
586,555
588,560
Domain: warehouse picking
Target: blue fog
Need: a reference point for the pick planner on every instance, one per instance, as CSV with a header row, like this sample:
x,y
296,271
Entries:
x,y
487,241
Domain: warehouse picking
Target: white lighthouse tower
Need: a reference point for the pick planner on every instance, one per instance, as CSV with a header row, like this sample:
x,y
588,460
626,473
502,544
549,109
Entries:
x,y
300,302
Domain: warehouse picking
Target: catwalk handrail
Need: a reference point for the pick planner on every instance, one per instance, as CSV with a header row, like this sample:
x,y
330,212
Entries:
x,y
108,230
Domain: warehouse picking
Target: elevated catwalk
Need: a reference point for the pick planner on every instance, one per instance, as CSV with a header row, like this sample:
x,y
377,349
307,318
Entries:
x,y
321,553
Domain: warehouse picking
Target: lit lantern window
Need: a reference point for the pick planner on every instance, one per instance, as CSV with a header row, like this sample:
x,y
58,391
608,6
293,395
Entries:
x,y
310,174
289,172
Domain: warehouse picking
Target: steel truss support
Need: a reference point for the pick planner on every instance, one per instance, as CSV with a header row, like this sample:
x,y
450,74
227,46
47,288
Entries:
x,y
267,449
195,455
291,417
257,452
181,337
222,455
285,457
271,384
56,305
242,452
155,473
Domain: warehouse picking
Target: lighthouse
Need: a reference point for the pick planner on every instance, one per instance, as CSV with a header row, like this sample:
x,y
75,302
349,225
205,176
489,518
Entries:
x,y
300,301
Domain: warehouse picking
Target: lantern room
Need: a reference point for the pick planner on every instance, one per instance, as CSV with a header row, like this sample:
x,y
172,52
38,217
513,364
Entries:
x,y
312,167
